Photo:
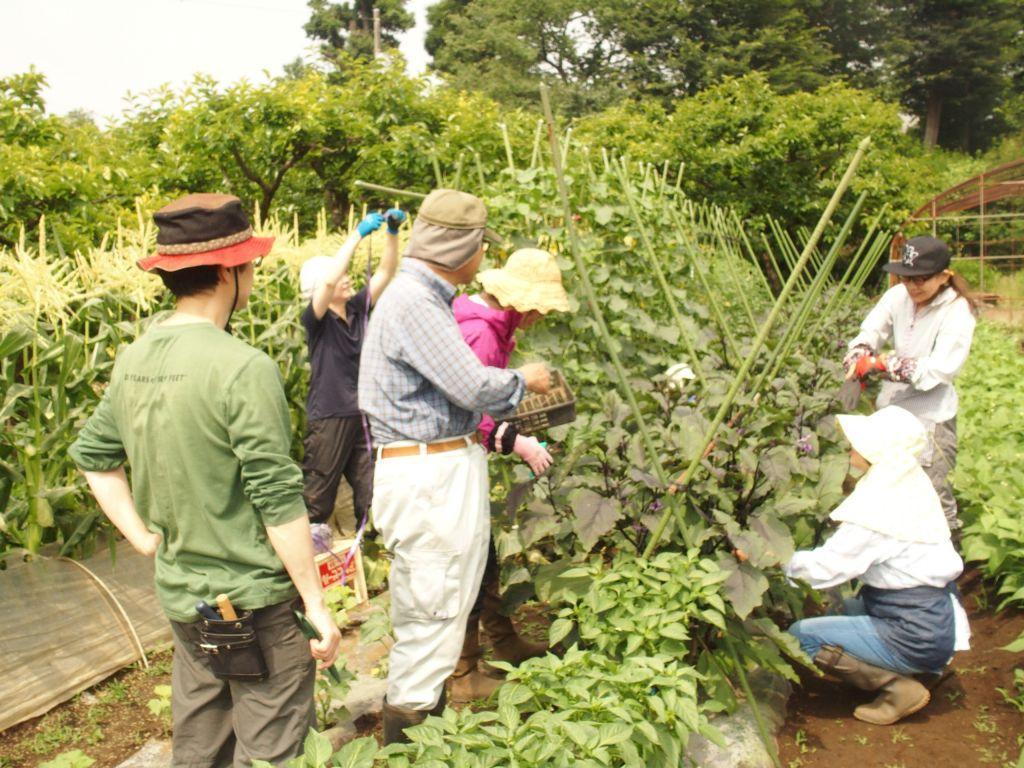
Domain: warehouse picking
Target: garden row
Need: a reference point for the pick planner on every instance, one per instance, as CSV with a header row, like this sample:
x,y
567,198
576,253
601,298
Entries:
x,y
759,320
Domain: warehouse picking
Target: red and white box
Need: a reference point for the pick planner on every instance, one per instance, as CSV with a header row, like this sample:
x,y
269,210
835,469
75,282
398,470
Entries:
x,y
332,565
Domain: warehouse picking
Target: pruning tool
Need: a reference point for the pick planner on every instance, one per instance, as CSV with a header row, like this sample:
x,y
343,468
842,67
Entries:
x,y
207,611
312,633
856,381
543,445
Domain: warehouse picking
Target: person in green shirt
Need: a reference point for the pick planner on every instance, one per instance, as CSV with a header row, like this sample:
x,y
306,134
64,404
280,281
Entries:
x,y
200,418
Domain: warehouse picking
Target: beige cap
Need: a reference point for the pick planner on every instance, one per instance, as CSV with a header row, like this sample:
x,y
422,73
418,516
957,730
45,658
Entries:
x,y
453,209
529,281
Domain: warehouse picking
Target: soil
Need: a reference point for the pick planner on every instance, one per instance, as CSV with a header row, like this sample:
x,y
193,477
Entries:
x,y
109,722
967,723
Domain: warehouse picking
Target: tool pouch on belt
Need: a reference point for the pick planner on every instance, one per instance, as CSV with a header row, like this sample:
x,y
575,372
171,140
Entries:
x,y
233,648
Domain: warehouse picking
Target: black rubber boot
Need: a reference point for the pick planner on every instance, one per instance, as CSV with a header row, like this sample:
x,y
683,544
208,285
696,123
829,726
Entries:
x,y
397,719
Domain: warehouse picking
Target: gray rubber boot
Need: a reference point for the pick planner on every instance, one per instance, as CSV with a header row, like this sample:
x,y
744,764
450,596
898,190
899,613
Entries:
x,y
898,697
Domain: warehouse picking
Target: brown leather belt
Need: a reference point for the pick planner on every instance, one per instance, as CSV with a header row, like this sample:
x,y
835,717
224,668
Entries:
x,y
439,447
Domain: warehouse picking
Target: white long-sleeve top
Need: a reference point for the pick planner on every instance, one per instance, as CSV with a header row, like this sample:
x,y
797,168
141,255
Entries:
x,y
938,336
855,552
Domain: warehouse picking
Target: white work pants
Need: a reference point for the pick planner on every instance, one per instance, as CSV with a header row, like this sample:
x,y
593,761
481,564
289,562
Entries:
x,y
433,514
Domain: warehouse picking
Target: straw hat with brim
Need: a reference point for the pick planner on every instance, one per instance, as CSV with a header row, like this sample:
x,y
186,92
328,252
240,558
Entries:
x,y
204,230
529,281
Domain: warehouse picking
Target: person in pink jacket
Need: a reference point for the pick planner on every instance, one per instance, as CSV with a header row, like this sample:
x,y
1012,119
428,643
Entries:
x,y
528,287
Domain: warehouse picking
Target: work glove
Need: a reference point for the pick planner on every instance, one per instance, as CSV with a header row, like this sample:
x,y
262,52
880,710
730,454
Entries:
x,y
533,453
855,354
900,369
867,365
370,223
395,217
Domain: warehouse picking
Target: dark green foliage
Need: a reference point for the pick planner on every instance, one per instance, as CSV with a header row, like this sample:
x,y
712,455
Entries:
x,y
950,62
348,26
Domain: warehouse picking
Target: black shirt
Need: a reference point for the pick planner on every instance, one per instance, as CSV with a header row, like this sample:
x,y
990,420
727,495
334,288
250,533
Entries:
x,y
334,347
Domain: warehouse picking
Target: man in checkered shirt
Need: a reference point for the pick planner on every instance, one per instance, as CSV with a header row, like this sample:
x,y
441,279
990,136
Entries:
x,y
423,391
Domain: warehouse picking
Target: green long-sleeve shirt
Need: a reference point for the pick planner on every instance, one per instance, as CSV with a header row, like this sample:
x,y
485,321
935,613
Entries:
x,y
202,421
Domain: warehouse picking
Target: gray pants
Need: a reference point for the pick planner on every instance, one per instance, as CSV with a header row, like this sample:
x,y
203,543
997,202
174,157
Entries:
x,y
942,465
336,448
223,723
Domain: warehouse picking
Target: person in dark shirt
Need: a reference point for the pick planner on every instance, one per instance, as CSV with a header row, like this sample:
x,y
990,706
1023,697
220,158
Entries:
x,y
335,320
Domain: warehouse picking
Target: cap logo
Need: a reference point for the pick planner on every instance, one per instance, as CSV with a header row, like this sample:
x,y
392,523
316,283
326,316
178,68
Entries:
x,y
910,254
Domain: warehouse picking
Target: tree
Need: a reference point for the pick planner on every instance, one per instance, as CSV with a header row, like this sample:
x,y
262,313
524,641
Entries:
x,y
348,26
596,53
952,61
744,145
504,50
63,168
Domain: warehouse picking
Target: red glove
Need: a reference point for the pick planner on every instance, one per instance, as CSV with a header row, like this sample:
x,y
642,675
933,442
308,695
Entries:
x,y
867,364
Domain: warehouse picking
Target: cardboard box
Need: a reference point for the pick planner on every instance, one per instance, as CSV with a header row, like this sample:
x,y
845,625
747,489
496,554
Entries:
x,y
331,565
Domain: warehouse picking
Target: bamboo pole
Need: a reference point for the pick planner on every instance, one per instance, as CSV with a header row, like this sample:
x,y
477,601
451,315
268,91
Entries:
x,y
730,348
719,228
809,299
659,274
535,154
753,255
458,171
755,709
684,479
389,190
592,302
508,146
845,282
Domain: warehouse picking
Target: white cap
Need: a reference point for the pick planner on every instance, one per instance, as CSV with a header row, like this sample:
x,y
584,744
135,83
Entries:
x,y
312,272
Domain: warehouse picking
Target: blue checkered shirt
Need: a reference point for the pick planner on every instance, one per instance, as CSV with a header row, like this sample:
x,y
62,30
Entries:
x,y
418,379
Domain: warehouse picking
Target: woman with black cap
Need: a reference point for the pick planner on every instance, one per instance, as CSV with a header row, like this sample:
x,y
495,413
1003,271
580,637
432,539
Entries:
x,y
929,319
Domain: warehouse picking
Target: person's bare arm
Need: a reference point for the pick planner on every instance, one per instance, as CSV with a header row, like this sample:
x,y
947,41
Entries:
x,y
324,290
389,261
114,495
294,545
386,269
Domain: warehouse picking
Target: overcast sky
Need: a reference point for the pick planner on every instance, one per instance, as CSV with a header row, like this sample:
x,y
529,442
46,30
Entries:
x,y
95,51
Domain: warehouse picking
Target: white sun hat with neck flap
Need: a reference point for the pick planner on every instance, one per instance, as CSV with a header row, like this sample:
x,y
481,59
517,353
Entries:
x,y
895,496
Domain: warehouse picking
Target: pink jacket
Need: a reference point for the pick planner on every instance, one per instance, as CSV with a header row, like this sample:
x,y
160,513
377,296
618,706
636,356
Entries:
x,y
491,334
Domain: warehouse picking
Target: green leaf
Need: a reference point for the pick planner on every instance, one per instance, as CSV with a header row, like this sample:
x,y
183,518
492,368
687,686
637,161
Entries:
x,y
317,749
1016,646
558,631
778,543
745,586
595,515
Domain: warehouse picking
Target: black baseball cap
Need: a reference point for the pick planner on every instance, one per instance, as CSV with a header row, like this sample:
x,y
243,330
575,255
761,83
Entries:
x,y
924,255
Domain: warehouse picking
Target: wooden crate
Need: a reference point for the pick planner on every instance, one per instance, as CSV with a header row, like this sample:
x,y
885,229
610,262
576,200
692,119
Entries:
x,y
331,565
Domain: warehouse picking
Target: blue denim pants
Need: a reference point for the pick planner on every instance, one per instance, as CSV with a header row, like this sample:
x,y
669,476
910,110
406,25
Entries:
x,y
854,632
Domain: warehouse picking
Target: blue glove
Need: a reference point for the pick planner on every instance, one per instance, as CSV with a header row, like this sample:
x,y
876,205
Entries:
x,y
395,217
370,223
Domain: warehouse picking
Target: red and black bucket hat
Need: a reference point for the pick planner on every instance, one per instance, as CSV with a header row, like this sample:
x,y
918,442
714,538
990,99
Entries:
x,y
204,230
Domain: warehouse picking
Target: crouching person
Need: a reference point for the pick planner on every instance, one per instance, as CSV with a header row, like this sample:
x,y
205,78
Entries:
x,y
201,418
893,537
423,391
